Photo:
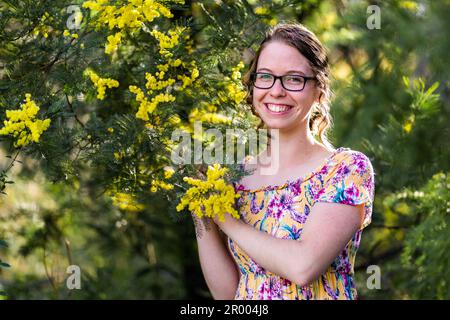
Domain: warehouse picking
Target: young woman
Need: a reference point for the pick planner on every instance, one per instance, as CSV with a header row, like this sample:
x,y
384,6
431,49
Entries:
x,y
300,228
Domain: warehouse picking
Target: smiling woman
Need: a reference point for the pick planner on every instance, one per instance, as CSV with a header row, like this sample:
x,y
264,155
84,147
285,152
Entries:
x,y
302,63
299,227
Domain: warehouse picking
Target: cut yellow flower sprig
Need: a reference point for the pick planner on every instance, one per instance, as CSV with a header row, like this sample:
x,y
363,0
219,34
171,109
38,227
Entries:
x,y
23,125
101,83
212,197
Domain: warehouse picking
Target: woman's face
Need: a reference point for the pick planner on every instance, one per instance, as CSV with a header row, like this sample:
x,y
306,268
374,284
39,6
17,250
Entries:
x,y
278,107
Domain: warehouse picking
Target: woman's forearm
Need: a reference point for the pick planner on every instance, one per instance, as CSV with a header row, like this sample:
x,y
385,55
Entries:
x,y
219,269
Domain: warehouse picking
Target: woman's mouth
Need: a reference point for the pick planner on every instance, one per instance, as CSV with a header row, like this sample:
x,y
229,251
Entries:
x,y
278,109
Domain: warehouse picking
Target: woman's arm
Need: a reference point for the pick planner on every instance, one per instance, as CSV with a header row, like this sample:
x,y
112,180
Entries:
x,y
219,269
329,227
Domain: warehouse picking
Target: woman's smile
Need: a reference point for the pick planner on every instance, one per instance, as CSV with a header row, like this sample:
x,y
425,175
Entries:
x,y
277,108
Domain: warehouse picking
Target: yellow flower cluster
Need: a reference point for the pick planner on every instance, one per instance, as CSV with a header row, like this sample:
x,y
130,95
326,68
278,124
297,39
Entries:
x,y
261,10
168,172
146,107
236,71
235,93
211,117
126,201
167,41
101,83
272,22
159,184
233,87
154,83
188,80
158,82
127,15
113,43
130,15
42,27
23,125
212,197
67,33
408,125
264,11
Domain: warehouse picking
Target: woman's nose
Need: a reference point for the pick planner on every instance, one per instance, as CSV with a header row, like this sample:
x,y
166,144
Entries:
x,y
277,89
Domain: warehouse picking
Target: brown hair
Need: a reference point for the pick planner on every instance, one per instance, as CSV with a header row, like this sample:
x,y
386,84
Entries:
x,y
299,37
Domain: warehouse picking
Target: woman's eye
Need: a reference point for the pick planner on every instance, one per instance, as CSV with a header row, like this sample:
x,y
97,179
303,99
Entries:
x,y
294,80
264,77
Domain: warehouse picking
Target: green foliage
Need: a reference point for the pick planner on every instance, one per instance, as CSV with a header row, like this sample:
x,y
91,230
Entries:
x,y
3,244
425,258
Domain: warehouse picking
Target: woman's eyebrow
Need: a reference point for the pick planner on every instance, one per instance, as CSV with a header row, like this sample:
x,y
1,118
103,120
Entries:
x,y
290,71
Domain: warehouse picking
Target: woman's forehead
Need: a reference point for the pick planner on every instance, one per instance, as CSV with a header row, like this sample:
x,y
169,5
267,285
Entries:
x,y
281,57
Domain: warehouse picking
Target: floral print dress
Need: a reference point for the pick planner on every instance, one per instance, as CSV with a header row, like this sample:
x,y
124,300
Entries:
x,y
345,177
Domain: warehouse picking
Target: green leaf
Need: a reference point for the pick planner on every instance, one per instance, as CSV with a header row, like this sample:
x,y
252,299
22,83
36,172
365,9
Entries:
x,y
406,81
432,89
4,265
3,243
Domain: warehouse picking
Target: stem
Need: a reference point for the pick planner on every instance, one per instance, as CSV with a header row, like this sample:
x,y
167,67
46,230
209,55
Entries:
x,y
71,109
47,273
13,160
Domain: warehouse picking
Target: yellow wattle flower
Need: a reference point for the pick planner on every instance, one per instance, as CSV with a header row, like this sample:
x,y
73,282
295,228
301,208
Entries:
x,y
113,43
147,107
23,125
101,83
126,201
210,198
128,16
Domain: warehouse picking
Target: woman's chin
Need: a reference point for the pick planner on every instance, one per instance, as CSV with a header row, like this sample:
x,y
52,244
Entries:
x,y
278,124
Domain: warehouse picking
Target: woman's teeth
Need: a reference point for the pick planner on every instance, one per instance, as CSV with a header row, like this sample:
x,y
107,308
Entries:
x,y
277,107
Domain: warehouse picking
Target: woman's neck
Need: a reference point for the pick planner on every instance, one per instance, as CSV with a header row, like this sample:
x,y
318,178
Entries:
x,y
294,149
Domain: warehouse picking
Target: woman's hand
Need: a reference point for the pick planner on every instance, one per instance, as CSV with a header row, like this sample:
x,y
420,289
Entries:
x,y
227,224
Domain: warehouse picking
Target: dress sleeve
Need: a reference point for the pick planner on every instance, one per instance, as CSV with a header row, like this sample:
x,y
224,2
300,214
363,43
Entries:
x,y
351,182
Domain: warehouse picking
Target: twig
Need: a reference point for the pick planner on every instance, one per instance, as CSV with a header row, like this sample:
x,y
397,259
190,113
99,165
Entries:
x,y
49,277
71,109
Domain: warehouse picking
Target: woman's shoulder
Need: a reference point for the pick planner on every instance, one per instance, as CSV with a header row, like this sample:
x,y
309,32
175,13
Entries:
x,y
349,162
351,156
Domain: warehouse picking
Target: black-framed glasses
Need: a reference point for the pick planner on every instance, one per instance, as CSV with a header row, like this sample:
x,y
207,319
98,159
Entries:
x,y
264,80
